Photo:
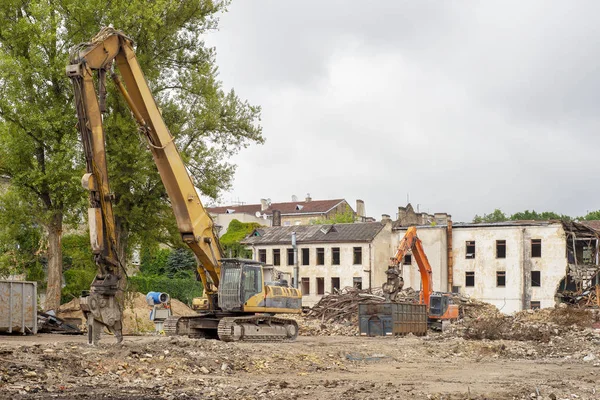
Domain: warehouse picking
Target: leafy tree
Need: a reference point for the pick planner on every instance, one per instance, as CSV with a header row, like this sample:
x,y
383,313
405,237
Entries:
x,y
591,216
181,263
236,232
496,216
346,217
39,148
535,216
499,216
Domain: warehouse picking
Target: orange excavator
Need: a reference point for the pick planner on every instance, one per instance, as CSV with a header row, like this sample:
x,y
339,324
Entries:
x,y
439,305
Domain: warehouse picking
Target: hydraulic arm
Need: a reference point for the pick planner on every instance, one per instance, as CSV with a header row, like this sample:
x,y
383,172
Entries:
x,y
108,52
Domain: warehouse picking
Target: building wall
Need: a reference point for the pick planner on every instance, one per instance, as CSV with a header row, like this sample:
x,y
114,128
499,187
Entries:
x,y
224,220
518,264
434,241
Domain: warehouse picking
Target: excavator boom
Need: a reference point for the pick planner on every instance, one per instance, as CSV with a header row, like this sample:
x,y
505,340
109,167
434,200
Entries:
x,y
93,61
245,289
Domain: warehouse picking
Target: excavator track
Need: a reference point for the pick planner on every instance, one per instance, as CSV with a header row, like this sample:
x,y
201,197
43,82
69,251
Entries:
x,y
172,327
257,328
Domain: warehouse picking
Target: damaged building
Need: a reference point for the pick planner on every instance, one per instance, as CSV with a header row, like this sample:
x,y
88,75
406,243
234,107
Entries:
x,y
515,265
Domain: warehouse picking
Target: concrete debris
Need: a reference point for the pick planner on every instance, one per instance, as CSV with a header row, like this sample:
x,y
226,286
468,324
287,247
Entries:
x,y
343,305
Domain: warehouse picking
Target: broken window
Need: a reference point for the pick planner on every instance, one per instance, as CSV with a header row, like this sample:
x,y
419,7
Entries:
x,y
500,248
357,256
501,278
335,284
262,255
470,249
357,282
407,259
536,278
276,257
305,286
335,256
320,285
305,256
536,247
290,256
535,305
470,278
320,256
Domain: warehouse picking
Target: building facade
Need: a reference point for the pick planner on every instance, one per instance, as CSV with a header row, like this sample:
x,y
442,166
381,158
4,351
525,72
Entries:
x,y
329,257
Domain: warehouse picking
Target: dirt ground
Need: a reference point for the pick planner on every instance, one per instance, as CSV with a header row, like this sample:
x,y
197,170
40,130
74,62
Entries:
x,y
439,366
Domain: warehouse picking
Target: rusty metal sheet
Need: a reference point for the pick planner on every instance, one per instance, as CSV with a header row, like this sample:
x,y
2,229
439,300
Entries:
x,y
18,307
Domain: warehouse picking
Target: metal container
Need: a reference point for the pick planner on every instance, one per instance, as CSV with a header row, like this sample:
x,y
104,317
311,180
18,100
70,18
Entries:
x,y
18,307
386,319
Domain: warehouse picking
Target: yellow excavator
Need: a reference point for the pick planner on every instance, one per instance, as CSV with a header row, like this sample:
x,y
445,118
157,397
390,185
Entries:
x,y
242,303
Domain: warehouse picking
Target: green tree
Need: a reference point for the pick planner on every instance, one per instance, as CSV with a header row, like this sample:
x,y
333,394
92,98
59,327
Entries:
x,y
39,148
591,216
496,216
346,217
236,232
535,216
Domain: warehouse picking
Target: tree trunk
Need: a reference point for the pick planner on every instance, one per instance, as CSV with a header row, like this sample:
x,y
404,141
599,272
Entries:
x,y
122,234
55,265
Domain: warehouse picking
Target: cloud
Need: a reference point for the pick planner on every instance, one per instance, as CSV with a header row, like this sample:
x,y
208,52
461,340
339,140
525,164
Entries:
x,y
466,109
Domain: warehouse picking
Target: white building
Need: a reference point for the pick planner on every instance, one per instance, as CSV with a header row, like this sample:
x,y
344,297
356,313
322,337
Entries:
x,y
514,265
329,256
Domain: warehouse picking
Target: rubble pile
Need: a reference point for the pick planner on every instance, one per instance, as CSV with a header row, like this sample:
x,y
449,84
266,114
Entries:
x,y
342,306
136,314
530,325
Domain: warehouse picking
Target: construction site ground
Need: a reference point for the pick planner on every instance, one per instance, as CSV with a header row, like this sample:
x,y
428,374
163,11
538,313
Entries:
x,y
439,366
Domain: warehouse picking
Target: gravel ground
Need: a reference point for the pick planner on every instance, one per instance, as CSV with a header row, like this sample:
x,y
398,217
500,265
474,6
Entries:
x,y
439,366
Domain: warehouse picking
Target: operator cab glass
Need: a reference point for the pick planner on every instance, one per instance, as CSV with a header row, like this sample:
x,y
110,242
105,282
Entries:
x,y
240,280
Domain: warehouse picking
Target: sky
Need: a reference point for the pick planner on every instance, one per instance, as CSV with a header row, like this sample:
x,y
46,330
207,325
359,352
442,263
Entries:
x,y
460,107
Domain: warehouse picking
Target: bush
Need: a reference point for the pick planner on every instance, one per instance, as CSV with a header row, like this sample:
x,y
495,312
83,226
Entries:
x,y
181,289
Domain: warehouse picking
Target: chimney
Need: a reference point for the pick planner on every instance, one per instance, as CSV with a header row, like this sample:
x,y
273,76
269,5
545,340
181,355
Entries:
x,y
276,218
441,218
308,198
264,204
385,218
401,214
360,209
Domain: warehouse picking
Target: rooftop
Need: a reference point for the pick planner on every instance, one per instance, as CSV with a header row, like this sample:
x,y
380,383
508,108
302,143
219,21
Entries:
x,y
340,233
295,207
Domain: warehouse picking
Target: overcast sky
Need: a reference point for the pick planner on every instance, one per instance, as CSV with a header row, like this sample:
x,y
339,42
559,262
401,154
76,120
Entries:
x,y
465,106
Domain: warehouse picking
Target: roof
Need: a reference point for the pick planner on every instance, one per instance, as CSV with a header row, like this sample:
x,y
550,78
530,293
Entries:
x,y
295,207
338,233
594,225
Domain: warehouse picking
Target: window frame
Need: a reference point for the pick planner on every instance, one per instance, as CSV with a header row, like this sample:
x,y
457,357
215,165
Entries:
x,y
262,255
538,281
290,256
305,256
320,256
355,251
537,245
468,255
500,275
469,274
335,250
276,257
303,281
500,244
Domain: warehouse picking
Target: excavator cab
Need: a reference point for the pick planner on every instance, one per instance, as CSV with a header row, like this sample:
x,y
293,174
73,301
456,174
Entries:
x,y
240,281
441,308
